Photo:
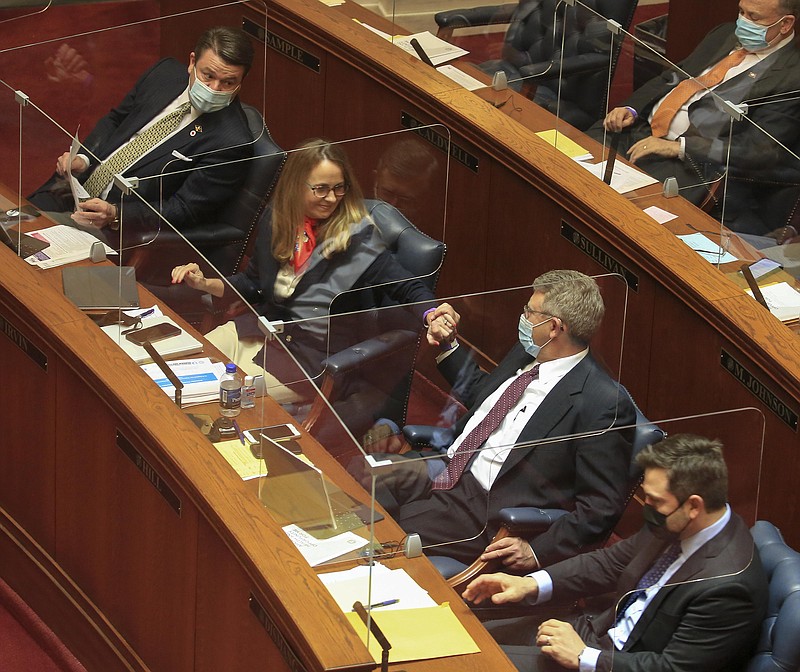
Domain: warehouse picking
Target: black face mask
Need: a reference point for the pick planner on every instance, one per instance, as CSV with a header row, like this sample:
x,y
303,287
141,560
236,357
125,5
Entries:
x,y
657,522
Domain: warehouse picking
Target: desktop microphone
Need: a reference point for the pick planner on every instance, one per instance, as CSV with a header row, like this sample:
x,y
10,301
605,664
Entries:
x,y
421,52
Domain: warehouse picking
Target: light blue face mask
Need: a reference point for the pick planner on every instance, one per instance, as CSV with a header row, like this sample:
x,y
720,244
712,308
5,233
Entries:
x,y
206,100
753,36
525,331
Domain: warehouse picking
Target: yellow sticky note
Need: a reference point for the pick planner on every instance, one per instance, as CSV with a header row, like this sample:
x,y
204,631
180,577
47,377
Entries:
x,y
562,143
417,634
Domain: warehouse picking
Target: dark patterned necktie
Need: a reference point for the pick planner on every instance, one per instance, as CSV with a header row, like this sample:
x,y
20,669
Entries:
x,y
129,154
650,578
477,437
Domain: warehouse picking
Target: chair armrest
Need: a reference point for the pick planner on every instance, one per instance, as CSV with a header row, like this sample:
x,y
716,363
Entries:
x,y
419,436
368,351
475,16
572,65
529,520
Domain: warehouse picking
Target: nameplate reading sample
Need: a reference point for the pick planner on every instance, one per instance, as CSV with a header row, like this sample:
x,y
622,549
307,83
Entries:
x,y
759,390
282,45
439,140
274,632
597,253
18,339
149,473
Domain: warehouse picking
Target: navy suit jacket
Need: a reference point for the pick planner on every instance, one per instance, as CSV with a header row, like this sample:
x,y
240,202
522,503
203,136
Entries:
x,y
706,617
587,476
189,194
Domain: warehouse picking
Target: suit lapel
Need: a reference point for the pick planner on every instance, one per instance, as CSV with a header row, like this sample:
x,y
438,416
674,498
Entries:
x,y
554,407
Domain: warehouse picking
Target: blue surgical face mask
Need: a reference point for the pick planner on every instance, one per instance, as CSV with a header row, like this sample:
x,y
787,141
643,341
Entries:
x,y
206,100
525,330
753,36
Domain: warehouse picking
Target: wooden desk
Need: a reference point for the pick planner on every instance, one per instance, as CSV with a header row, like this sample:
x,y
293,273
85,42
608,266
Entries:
x,y
131,536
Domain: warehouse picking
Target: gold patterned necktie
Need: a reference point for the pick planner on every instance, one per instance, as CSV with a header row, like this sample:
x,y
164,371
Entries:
x,y
677,98
129,154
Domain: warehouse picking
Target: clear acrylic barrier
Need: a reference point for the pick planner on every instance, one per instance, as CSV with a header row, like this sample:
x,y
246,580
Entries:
x,y
377,374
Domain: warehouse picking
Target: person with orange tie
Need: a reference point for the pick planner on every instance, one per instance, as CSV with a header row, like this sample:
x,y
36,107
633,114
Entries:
x,y
183,122
688,592
523,441
672,126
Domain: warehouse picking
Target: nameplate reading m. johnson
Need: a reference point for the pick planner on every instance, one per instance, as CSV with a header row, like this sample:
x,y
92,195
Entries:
x,y
440,141
18,339
282,45
149,473
759,390
277,636
597,253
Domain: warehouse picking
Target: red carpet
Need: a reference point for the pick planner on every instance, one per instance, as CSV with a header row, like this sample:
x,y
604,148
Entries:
x,y
27,644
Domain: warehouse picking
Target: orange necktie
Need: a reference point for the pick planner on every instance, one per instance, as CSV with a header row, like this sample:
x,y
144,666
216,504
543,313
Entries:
x,y
677,98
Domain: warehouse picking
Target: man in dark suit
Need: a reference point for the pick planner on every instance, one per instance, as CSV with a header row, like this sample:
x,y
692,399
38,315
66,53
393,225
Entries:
x,y
569,394
209,132
689,589
692,142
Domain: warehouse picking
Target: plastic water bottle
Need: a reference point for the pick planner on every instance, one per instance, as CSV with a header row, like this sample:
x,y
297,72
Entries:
x,y
230,392
248,393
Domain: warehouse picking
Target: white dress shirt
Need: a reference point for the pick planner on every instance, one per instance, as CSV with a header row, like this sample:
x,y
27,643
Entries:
x,y
489,460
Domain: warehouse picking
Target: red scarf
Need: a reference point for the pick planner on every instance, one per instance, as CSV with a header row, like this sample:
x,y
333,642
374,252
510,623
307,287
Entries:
x,y
304,243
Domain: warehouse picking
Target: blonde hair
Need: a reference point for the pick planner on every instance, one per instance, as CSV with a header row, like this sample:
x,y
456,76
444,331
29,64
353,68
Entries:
x,y
288,202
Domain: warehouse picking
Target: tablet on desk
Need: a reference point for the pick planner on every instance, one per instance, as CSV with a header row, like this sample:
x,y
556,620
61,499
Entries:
x,y
101,287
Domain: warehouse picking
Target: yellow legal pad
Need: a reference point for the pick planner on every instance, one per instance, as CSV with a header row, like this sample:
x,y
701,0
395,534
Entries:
x,y
417,634
564,144
240,457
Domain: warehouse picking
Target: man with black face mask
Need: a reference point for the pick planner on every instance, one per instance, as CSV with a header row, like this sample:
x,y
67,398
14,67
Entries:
x,y
690,590
173,111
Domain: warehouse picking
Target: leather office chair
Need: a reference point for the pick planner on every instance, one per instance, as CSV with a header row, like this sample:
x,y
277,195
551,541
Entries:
x,y
528,522
778,648
225,242
372,378
532,49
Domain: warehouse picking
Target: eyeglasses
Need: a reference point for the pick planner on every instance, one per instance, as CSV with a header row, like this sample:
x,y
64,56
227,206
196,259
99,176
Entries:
x,y
528,311
322,190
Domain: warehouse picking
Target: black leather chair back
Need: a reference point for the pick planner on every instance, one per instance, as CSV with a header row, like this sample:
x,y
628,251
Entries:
x,y
234,233
535,36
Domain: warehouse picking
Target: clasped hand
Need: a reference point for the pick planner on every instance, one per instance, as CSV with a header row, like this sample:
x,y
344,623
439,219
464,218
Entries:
x,y
442,324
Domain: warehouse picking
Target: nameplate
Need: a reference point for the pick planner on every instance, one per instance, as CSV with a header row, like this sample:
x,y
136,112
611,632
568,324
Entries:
x,y
282,46
274,632
149,473
440,141
597,253
18,339
759,390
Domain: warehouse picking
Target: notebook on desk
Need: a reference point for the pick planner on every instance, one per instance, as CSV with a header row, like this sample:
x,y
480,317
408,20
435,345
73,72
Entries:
x,y
182,344
101,287
298,492
22,244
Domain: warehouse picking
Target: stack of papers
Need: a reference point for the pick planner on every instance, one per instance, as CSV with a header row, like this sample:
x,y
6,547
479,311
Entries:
x,y
241,458
200,379
783,300
707,248
415,626
67,245
624,178
316,551
388,585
